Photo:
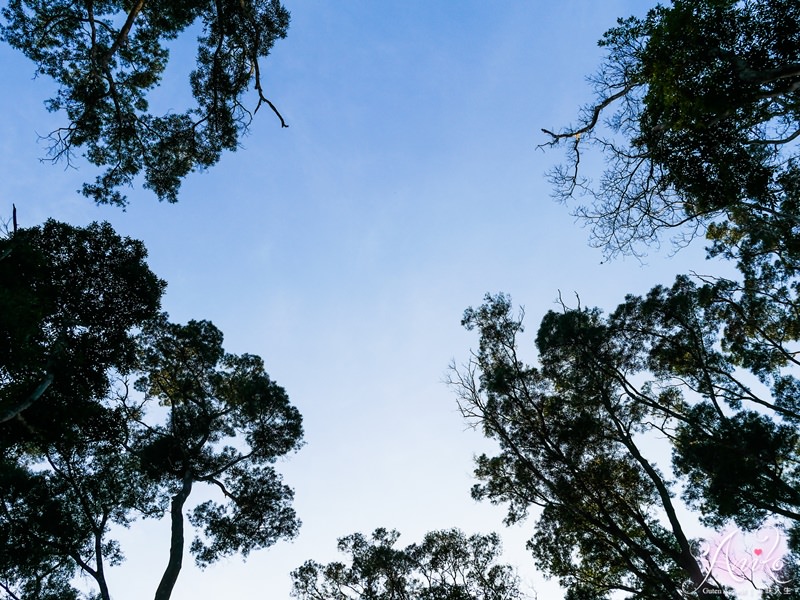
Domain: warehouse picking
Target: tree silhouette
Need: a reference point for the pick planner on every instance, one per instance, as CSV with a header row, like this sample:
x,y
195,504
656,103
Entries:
x,y
107,56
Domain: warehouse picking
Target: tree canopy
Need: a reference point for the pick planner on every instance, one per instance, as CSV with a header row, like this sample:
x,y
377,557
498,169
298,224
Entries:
x,y
227,423
683,397
708,366
70,298
447,565
91,452
735,436
705,102
571,436
697,115
107,56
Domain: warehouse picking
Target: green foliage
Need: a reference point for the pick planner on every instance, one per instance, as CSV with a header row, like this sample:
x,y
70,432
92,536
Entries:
x,y
707,106
107,56
705,103
87,455
26,566
227,422
58,507
725,349
699,366
447,565
570,442
69,300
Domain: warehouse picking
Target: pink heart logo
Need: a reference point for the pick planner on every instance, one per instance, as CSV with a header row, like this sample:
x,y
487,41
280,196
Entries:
x,y
757,551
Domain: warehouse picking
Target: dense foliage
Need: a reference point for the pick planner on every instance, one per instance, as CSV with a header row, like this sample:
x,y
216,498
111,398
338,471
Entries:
x,y
81,450
88,452
69,300
704,99
706,95
107,56
571,437
447,565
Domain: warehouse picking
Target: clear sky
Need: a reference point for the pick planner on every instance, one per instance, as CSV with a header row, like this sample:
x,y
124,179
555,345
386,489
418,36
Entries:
x,y
345,248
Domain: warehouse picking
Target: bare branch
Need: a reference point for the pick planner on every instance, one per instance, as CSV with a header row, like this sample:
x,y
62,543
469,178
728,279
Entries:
x,y
577,133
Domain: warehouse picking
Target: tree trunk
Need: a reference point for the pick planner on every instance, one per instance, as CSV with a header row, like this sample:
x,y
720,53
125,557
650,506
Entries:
x,y
170,576
100,571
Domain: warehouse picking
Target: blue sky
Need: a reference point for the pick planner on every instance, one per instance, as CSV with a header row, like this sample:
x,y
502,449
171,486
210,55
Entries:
x,y
344,249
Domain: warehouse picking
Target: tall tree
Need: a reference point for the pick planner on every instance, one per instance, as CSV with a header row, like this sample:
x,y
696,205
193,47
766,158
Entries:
x,y
732,356
447,565
107,56
80,452
71,299
709,367
227,423
697,115
571,443
704,97
223,424
672,365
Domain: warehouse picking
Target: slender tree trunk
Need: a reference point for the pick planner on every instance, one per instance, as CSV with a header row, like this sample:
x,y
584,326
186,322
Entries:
x,y
684,557
170,576
98,551
103,585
